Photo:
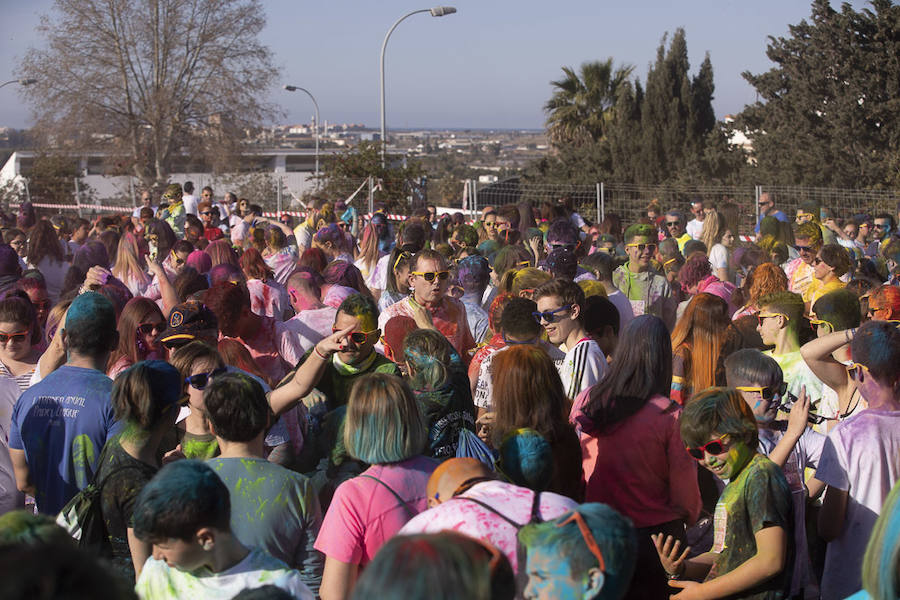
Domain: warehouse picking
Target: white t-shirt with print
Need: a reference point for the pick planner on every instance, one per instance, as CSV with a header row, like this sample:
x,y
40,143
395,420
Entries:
x,y
158,581
484,388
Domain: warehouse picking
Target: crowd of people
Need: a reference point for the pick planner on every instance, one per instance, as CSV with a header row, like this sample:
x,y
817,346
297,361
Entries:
x,y
527,406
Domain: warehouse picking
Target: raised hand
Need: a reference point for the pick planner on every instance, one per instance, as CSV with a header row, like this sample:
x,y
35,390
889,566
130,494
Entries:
x,y
670,554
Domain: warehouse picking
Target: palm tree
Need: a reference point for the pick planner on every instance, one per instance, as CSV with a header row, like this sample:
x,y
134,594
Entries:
x,y
579,107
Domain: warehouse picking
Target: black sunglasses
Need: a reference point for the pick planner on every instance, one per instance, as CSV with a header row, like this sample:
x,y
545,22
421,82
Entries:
x,y
550,315
199,381
148,328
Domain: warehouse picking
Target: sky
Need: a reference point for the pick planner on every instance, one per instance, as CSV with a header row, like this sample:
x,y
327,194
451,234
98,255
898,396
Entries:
x,y
487,66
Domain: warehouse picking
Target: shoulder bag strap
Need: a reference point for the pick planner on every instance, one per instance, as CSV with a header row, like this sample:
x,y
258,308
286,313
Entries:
x,y
409,510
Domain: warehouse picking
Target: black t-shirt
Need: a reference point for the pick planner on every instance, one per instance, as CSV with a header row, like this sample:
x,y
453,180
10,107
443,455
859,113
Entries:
x,y
122,477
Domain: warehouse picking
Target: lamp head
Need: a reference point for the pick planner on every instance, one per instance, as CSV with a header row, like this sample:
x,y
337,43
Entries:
x,y
291,88
28,81
440,11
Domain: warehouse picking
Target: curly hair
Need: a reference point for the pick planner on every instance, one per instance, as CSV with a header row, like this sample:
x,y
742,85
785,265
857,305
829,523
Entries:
x,y
695,269
765,279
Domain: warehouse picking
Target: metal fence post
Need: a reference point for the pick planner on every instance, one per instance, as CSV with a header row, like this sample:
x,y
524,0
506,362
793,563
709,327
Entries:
x,y
475,197
758,194
278,200
77,197
602,201
599,209
371,194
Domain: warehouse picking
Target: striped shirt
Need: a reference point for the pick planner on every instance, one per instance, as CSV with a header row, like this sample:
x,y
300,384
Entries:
x,y
583,366
23,380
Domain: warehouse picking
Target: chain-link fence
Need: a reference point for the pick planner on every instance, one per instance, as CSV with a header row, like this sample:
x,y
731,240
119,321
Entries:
x,y
630,201
288,191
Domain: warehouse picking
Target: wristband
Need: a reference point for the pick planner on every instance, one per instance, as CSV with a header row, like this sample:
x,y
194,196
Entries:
x,y
320,355
672,576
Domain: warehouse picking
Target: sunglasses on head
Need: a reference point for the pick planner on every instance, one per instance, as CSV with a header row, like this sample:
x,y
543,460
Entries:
x,y
19,336
642,247
714,447
148,328
430,275
550,315
199,381
357,337
587,536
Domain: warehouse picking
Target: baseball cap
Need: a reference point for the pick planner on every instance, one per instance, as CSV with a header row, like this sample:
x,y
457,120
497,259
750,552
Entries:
x,y
187,321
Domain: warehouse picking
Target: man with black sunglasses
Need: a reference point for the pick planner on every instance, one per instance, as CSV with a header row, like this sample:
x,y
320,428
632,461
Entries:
x,y
429,282
675,228
767,209
647,289
801,272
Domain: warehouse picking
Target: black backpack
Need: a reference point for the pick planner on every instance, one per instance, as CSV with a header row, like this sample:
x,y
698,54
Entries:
x,y
82,516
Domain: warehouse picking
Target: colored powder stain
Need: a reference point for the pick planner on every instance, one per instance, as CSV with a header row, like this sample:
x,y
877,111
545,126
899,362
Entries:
x,y
368,322
83,456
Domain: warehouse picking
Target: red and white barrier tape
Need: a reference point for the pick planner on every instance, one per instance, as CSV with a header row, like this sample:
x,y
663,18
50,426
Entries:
x,y
79,206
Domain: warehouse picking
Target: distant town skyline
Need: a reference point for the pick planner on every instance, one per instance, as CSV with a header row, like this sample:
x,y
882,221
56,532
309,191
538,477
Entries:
x,y
489,66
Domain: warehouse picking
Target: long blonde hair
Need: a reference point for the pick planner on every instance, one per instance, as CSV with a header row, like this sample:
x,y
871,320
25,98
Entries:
x,y
714,227
130,264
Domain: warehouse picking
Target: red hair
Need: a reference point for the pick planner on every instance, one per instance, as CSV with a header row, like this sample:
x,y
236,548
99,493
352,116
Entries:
x,y
253,265
700,333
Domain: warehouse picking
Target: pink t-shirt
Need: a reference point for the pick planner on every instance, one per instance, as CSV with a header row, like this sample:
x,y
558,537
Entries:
x,y
364,514
449,317
311,325
640,467
275,349
472,519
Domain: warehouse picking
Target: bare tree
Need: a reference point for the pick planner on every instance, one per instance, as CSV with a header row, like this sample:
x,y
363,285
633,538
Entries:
x,y
153,82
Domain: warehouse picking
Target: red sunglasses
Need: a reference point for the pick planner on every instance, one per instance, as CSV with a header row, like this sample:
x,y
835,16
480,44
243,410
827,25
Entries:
x,y
713,447
358,337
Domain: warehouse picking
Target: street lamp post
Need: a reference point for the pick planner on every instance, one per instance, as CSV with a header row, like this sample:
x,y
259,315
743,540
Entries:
x,y
437,11
19,81
295,88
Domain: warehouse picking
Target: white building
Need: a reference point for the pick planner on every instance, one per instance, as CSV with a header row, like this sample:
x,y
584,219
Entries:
x,y
294,167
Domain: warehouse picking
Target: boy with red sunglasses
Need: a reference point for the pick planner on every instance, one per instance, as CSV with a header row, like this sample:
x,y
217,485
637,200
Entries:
x,y
753,545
